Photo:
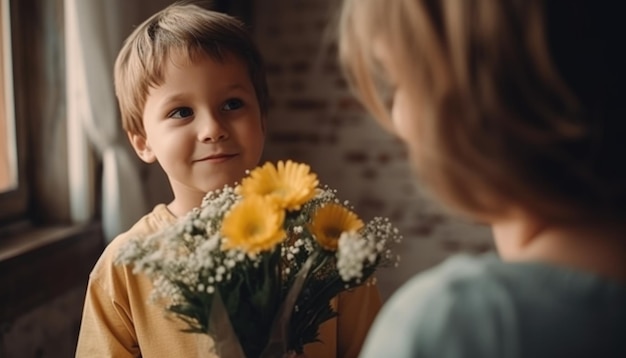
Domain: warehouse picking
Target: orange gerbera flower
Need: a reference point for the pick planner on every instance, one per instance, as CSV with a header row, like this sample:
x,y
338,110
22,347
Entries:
x,y
288,185
253,225
330,221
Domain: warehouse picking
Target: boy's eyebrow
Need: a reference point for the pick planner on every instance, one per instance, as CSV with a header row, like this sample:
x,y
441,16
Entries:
x,y
181,96
239,86
173,98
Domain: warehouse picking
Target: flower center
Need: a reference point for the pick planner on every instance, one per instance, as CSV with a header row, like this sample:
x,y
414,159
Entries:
x,y
333,232
253,229
281,191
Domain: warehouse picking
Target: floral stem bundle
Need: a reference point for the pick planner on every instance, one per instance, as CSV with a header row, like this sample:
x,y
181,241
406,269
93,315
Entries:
x,y
257,265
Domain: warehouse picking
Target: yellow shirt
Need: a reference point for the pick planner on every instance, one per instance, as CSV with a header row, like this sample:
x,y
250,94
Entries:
x,y
118,321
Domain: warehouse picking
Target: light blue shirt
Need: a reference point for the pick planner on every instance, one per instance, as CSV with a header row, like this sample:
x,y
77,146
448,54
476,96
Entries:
x,y
481,307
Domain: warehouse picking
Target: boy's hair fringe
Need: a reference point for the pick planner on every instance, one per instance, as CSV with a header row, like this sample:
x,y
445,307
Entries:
x,y
183,26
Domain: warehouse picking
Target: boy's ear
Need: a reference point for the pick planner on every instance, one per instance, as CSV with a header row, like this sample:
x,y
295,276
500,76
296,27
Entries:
x,y
141,146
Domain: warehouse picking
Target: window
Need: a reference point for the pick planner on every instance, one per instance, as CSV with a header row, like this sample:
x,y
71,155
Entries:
x,y
8,160
13,193
33,56
42,253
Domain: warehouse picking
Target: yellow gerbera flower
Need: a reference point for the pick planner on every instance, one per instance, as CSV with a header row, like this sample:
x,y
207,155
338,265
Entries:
x,y
330,221
253,225
289,185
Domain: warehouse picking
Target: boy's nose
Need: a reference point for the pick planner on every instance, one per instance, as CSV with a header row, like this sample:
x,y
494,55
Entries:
x,y
212,130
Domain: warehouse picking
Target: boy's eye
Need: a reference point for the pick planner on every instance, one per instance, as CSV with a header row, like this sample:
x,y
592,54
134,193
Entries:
x,y
182,112
233,104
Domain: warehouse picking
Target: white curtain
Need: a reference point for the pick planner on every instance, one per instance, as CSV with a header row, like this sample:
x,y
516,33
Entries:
x,y
94,33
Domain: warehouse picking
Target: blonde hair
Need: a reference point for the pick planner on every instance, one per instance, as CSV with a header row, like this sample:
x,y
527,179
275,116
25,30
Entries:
x,y
182,28
505,90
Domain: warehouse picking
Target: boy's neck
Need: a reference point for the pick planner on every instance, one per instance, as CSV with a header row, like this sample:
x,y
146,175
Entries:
x,y
180,207
597,249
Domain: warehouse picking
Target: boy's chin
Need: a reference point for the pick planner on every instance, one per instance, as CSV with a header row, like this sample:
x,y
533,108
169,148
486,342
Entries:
x,y
220,184
216,180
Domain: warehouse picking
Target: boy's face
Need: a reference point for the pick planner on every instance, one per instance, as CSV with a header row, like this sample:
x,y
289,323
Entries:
x,y
203,125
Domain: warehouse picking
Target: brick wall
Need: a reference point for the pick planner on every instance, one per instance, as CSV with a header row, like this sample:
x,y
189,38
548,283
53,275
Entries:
x,y
314,118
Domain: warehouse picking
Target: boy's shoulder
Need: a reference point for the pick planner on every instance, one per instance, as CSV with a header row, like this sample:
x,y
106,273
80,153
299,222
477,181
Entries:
x,y
159,218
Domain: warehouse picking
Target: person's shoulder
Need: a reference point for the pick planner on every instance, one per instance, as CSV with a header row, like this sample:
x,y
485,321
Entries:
x,y
456,277
441,308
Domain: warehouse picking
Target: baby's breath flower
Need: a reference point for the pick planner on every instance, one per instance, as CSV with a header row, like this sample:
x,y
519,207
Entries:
x,y
352,254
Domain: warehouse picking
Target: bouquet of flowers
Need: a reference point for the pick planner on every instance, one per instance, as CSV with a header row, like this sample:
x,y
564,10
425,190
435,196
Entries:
x,y
257,265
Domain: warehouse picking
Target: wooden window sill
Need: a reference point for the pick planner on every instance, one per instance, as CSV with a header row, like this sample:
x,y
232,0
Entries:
x,y
40,264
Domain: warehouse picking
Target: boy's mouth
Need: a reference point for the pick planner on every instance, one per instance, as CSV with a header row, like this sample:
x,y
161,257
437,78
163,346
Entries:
x,y
217,158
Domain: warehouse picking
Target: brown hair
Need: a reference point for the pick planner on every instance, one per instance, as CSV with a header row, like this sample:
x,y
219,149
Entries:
x,y
184,27
518,100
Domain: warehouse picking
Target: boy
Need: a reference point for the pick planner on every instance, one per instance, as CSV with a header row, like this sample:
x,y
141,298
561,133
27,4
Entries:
x,y
193,97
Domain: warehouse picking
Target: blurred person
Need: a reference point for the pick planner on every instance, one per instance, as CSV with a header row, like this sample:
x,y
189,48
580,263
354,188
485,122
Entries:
x,y
512,115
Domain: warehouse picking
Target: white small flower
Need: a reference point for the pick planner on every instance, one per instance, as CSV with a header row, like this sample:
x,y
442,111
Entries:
x,y
199,224
352,253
